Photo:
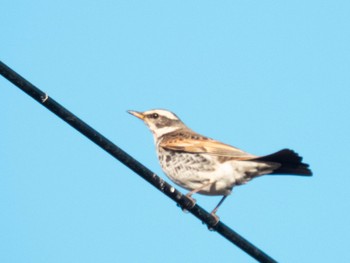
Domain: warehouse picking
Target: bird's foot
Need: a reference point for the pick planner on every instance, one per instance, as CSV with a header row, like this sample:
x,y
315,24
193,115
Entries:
x,y
216,218
213,222
189,205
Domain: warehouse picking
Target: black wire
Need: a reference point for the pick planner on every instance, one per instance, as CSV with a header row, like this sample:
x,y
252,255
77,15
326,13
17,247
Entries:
x,y
133,164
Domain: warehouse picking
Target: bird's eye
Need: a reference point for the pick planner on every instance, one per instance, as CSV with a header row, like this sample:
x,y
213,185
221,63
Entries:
x,y
154,115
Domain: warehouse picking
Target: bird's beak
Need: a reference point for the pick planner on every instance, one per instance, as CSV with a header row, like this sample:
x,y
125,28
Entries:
x,y
137,114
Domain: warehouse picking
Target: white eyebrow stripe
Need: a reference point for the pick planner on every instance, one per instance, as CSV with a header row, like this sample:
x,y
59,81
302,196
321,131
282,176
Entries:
x,y
164,113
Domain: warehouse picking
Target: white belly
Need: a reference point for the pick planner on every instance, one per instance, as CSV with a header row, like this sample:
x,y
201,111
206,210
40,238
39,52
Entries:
x,y
204,172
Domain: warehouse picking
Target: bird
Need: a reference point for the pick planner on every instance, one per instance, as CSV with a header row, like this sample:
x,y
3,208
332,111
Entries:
x,y
205,166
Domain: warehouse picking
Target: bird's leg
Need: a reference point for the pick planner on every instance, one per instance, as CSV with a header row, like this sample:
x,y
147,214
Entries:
x,y
189,194
213,213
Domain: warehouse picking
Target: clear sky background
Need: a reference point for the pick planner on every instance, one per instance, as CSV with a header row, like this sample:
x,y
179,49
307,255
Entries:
x,y
259,75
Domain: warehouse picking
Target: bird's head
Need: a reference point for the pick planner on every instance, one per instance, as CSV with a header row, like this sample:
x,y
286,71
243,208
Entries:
x,y
160,122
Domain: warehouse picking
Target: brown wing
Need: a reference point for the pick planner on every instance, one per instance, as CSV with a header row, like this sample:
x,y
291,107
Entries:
x,y
195,143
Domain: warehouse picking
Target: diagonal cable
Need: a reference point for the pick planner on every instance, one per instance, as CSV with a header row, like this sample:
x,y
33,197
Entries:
x,y
133,164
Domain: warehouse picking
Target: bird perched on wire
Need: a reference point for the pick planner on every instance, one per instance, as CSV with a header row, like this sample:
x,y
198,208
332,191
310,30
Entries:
x,y
205,166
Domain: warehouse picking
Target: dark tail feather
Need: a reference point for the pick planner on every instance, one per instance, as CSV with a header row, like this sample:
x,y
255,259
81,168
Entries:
x,y
291,163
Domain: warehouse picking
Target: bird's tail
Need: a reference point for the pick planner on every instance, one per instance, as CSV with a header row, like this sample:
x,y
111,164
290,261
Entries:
x,y
291,163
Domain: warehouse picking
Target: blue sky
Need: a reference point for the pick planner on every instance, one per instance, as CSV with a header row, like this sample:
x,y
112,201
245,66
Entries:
x,y
259,75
